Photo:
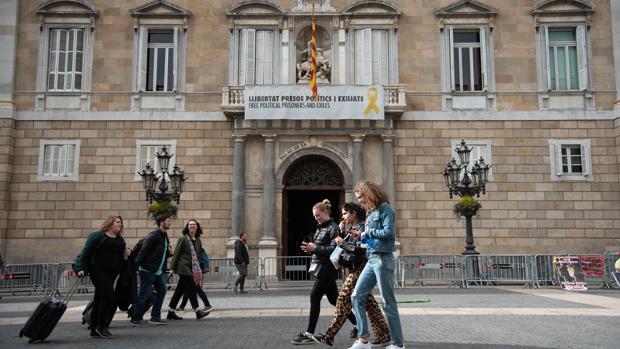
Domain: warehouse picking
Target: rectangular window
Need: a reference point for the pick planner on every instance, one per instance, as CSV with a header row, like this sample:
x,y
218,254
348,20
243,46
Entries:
x,y
563,66
58,160
160,61
467,61
570,159
146,152
255,57
65,61
371,57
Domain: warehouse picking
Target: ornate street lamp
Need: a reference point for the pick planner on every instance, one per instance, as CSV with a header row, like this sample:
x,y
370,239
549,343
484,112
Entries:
x,y
466,184
150,179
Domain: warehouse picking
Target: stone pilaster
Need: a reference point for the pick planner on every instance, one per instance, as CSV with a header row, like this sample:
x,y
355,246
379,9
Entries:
x,y
388,175
9,11
358,159
268,247
615,34
238,193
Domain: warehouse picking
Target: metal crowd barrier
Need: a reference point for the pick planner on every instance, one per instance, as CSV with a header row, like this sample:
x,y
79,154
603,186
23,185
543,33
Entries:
x,y
452,270
610,261
286,268
423,269
496,269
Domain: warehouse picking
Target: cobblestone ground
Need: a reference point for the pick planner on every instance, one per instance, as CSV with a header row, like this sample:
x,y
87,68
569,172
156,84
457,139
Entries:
x,y
432,317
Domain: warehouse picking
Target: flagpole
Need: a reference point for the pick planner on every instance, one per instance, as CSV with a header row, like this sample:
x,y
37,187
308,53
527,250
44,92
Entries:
x,y
313,85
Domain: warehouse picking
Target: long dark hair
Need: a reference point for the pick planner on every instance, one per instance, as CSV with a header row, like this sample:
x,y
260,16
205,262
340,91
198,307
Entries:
x,y
352,207
198,228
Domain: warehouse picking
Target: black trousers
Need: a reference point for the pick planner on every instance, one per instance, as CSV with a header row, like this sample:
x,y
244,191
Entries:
x,y
104,304
185,286
325,285
201,293
243,273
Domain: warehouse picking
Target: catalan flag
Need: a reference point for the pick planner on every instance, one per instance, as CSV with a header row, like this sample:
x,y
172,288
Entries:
x,y
313,87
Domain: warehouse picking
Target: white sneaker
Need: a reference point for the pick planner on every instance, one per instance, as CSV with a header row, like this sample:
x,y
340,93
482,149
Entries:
x,y
361,345
393,346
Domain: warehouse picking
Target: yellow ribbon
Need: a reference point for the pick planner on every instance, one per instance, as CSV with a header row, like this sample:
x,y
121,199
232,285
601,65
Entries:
x,y
373,96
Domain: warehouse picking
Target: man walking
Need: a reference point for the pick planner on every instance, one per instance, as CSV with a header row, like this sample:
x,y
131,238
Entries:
x,y
151,261
242,259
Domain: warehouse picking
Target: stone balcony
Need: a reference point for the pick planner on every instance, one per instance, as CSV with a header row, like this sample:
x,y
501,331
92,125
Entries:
x,y
233,100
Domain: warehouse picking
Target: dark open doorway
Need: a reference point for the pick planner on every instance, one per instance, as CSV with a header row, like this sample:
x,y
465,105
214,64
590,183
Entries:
x,y
309,180
301,224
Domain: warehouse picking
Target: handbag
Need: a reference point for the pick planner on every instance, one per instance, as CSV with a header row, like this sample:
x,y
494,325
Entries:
x,y
352,255
335,257
204,259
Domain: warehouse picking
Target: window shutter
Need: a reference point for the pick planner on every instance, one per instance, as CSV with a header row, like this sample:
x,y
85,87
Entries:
x,y
175,58
260,57
359,56
268,58
557,157
483,58
379,51
143,39
544,33
582,53
367,50
586,159
250,53
242,56
451,55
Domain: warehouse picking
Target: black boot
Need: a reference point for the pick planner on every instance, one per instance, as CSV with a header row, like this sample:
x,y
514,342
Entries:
x,y
200,314
173,316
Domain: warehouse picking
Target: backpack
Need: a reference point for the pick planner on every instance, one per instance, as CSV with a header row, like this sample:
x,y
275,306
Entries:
x,y
135,252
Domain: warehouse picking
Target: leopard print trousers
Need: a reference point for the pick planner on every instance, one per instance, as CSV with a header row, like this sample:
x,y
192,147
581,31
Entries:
x,y
344,306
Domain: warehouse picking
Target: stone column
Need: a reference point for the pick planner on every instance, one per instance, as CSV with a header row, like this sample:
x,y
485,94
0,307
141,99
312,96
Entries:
x,y
238,193
268,247
9,15
358,159
388,175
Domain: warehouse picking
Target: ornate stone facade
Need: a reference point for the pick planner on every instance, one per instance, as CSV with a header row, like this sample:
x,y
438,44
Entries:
x,y
244,175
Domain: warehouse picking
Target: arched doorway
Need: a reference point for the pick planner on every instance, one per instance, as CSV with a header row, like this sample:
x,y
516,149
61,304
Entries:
x,y
308,180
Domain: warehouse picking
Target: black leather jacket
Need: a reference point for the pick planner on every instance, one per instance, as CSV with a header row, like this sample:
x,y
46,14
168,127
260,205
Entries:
x,y
324,241
152,251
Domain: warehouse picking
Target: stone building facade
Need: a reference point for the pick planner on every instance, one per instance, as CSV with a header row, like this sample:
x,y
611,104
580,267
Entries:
x,y
89,89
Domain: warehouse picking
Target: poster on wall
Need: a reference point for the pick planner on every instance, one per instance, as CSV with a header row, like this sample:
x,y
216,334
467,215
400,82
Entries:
x,y
333,102
569,271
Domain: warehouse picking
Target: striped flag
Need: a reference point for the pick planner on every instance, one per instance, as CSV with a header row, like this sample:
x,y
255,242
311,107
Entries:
x,y
313,87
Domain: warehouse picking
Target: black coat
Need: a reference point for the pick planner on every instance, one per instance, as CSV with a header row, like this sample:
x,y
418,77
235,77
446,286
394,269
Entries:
x,y
241,253
153,250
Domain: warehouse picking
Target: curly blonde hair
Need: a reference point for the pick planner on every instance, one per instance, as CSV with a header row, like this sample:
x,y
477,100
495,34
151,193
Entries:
x,y
373,192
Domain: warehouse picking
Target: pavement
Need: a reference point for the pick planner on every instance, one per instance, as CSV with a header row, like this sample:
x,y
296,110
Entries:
x,y
432,317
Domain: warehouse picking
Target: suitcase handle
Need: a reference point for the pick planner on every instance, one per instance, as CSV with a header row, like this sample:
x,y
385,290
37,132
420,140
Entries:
x,y
71,292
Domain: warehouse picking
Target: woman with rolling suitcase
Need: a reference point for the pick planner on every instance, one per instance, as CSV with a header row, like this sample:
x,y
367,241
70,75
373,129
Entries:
x,y
102,258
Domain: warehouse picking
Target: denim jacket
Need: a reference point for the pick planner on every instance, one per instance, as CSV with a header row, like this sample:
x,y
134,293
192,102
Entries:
x,y
380,228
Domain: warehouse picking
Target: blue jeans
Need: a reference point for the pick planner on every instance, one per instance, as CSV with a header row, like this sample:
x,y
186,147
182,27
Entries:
x,y
147,281
380,268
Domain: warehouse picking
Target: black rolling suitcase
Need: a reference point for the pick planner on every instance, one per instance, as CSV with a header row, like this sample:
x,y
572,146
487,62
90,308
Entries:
x,y
46,316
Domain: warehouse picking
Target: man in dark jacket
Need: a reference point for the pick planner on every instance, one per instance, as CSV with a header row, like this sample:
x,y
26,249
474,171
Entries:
x,y
242,259
151,261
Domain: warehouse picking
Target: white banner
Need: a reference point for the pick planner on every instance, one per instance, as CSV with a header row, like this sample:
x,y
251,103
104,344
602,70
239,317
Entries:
x,y
295,102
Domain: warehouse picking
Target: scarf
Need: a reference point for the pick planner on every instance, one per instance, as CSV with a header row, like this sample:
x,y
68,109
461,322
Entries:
x,y
196,271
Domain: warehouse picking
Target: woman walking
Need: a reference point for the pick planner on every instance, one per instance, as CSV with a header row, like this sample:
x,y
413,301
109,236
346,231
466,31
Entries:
x,y
102,258
380,238
185,264
321,268
353,216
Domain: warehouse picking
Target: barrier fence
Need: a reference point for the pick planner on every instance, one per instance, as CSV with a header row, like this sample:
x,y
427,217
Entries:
x,y
533,271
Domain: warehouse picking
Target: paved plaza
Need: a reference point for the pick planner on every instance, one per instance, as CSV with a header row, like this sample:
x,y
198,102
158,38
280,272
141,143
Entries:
x,y
432,317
